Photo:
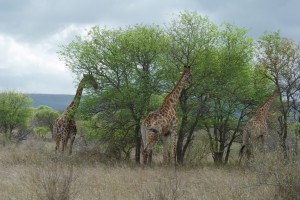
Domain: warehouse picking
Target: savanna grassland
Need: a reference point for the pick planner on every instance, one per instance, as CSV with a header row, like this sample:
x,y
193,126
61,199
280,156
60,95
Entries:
x,y
31,170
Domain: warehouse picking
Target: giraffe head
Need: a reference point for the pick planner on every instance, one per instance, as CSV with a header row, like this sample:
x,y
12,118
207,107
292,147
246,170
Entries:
x,y
187,73
90,80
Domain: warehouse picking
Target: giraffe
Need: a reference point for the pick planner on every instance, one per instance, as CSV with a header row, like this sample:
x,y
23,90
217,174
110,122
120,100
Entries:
x,y
65,125
256,128
164,121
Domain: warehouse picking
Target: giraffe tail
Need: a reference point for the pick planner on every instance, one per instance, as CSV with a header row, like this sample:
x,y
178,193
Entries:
x,y
242,150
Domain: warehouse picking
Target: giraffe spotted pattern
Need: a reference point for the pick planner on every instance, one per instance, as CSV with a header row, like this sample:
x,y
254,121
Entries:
x,y
164,122
65,125
257,127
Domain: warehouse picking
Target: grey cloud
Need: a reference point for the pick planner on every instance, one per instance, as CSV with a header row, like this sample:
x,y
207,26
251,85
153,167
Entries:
x,y
35,19
258,16
33,24
37,82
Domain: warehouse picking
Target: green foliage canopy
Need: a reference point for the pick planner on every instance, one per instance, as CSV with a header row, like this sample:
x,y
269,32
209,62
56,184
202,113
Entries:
x,y
14,110
44,116
138,65
126,64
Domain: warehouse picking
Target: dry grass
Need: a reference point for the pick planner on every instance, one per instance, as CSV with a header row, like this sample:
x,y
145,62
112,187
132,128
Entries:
x,y
32,171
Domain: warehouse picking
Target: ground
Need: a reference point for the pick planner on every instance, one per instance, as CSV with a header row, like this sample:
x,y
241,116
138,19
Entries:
x,y
31,170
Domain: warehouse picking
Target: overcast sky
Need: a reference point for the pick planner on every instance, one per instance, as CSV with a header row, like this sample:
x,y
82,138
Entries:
x,y
32,30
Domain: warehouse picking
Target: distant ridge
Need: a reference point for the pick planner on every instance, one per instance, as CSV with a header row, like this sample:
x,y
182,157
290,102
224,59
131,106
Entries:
x,y
56,101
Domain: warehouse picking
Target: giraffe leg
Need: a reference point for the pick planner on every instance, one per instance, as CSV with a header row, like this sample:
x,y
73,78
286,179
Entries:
x,y
248,152
56,136
57,141
260,143
241,153
263,145
174,145
245,151
72,134
62,146
71,144
150,142
147,151
150,157
64,142
263,140
166,156
246,148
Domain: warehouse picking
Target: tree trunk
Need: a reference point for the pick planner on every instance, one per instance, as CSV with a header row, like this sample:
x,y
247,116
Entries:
x,y
220,147
218,157
283,134
150,157
179,151
138,143
297,134
191,131
231,141
229,148
180,138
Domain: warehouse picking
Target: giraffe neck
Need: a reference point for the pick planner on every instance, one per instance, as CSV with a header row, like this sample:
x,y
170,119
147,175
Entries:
x,y
263,109
72,108
172,98
262,112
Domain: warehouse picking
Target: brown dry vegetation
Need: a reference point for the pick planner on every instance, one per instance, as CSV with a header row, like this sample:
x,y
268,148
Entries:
x,y
32,170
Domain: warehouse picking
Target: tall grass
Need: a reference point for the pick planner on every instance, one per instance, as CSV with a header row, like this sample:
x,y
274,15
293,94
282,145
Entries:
x,y
53,181
32,170
280,173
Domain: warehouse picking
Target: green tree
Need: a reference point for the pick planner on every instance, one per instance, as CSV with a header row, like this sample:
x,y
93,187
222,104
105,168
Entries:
x,y
126,63
41,131
278,60
192,38
14,111
230,90
136,66
45,116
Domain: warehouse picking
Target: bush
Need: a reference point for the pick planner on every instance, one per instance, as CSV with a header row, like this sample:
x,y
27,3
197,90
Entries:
x,y
283,174
198,150
53,182
41,131
14,111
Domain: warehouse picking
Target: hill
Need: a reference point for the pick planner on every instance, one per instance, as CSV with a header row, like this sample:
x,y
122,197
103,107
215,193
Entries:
x,y
56,101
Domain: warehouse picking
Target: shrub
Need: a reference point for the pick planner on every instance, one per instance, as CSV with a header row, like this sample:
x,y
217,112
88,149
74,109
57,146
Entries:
x,y
41,131
53,182
283,174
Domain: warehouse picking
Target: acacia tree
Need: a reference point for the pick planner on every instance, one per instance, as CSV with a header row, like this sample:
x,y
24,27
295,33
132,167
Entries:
x,y
220,62
136,64
44,116
230,88
14,111
278,60
43,120
191,37
126,64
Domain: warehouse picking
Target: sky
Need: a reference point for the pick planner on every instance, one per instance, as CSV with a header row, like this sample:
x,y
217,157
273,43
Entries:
x,y
32,31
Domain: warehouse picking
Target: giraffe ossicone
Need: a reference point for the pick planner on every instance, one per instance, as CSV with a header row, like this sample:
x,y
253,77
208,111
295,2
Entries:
x,y
163,121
